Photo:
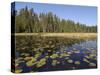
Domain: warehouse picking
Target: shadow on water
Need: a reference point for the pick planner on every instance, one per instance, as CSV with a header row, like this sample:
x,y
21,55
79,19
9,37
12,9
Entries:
x,y
37,54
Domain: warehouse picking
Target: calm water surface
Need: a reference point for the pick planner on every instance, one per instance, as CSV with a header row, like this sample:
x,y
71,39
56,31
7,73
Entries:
x,y
83,52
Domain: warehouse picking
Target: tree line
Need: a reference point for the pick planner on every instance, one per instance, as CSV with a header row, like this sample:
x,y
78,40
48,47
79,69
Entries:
x,y
28,21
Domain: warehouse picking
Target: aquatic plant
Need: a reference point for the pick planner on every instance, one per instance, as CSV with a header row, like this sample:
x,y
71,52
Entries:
x,y
31,62
70,61
92,64
37,55
54,56
47,46
88,48
49,50
25,54
64,55
91,56
58,52
41,62
76,50
92,48
52,46
55,62
69,53
27,58
67,58
87,56
86,60
95,58
19,60
16,65
46,57
34,49
18,71
77,62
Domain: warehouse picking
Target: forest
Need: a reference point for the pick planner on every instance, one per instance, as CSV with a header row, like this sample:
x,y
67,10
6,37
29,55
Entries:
x,y
28,21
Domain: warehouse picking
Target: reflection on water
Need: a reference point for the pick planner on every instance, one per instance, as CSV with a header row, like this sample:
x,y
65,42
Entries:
x,y
37,54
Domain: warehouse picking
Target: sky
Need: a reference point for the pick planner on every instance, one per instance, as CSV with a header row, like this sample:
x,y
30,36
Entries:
x,y
83,14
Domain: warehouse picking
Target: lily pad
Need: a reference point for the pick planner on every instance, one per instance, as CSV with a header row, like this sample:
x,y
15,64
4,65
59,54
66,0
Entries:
x,y
54,56
27,58
18,71
41,62
77,62
86,60
55,62
31,62
92,64
70,61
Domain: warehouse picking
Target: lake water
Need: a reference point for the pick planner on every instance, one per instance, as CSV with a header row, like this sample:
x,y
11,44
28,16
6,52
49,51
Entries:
x,y
57,53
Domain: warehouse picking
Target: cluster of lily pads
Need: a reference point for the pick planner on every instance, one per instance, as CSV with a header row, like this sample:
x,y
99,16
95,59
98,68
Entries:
x,y
38,51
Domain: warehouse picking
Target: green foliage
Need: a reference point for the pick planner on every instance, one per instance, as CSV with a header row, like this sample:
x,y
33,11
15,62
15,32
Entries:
x,y
54,56
55,62
26,20
31,62
41,62
18,71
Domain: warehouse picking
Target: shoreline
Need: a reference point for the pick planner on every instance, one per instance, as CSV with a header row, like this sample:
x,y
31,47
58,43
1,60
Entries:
x,y
65,35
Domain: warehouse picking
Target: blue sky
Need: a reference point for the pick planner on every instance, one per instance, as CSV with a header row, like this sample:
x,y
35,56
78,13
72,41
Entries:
x,y
83,14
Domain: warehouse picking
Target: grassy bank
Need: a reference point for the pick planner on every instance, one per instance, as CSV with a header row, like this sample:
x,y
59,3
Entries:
x,y
67,35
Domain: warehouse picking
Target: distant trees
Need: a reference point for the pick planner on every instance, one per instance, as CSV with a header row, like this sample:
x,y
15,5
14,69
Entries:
x,y
27,21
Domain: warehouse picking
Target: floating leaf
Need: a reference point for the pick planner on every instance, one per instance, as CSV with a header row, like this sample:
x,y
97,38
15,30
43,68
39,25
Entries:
x,y
55,62
77,62
76,51
92,64
31,62
85,60
25,54
18,71
27,58
41,62
54,56
70,61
